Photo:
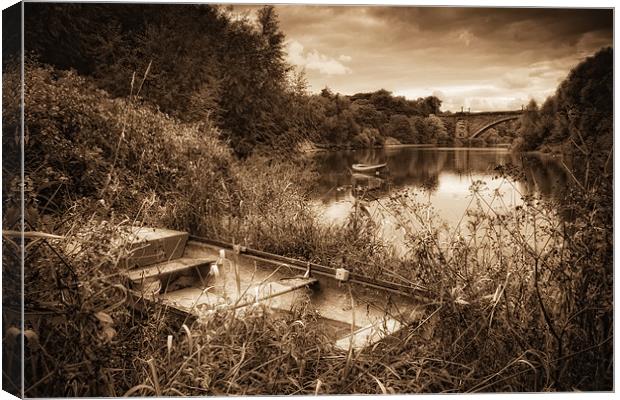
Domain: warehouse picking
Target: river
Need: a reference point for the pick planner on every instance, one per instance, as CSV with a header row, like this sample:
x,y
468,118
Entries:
x,y
439,177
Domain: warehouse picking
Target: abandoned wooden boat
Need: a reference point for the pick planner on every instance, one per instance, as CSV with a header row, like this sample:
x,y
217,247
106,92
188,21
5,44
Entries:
x,y
195,276
372,168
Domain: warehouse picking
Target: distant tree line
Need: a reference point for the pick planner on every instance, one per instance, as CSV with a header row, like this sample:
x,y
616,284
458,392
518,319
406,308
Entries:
x,y
202,62
367,119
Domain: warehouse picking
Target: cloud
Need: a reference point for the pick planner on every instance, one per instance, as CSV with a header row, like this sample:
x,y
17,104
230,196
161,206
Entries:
x,y
492,58
516,79
314,60
466,37
590,41
439,94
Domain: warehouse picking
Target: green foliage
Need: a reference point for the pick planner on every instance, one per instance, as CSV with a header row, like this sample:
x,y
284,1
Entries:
x,y
579,116
399,127
250,93
434,129
245,92
81,144
507,316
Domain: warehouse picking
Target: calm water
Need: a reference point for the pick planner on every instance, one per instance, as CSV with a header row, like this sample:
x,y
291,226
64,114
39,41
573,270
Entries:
x,y
441,177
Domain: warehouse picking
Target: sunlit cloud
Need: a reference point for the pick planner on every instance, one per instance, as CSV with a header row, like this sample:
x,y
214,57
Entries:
x,y
483,58
313,60
466,37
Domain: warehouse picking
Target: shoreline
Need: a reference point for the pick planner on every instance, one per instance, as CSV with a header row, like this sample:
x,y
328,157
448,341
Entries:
x,y
313,149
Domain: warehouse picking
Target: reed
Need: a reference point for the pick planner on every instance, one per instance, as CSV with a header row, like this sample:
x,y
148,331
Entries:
x,y
524,299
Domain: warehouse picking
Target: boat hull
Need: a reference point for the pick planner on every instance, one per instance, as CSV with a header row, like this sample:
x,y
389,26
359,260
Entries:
x,y
356,317
368,168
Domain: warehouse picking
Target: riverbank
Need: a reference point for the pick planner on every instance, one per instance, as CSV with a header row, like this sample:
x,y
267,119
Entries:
x,y
307,147
494,325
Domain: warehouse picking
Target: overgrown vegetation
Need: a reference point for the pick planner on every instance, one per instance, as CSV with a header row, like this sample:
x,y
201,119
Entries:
x,y
252,94
510,314
578,119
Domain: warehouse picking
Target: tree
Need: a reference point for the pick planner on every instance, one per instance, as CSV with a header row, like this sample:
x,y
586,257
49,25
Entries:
x,y
112,42
298,83
529,131
580,113
366,115
584,102
434,129
254,89
340,128
399,128
327,93
492,136
385,102
233,70
418,128
429,105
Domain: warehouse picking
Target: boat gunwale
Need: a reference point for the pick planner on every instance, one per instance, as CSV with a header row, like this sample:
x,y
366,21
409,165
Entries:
x,y
328,272
362,167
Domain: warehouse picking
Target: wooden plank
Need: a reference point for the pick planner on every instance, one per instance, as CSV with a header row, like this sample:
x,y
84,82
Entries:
x,y
369,335
166,268
192,300
148,246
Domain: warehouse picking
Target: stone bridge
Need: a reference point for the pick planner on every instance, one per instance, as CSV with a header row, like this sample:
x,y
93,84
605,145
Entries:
x,y
471,125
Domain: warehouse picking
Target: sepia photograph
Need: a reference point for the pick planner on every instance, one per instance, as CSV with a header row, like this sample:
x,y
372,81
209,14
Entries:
x,y
209,199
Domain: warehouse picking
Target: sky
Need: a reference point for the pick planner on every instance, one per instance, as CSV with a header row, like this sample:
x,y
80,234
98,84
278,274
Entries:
x,y
483,59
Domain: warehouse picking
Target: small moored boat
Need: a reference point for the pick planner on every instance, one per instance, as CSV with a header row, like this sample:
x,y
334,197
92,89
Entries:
x,y
368,167
195,277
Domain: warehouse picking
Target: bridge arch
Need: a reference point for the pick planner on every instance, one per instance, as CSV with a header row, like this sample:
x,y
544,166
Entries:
x,y
492,124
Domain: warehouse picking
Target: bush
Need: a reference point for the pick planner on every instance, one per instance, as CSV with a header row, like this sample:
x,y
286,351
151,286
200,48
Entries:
x,y
506,316
81,144
580,113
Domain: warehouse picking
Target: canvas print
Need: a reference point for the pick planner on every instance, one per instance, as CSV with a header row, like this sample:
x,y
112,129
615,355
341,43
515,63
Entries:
x,y
228,199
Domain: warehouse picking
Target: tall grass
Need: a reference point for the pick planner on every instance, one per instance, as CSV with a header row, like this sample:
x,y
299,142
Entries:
x,y
524,299
518,307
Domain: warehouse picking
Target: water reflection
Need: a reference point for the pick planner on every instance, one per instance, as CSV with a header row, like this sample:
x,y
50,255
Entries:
x,y
444,175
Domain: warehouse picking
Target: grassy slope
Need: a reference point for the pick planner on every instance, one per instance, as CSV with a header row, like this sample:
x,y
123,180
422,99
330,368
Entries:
x,y
537,319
